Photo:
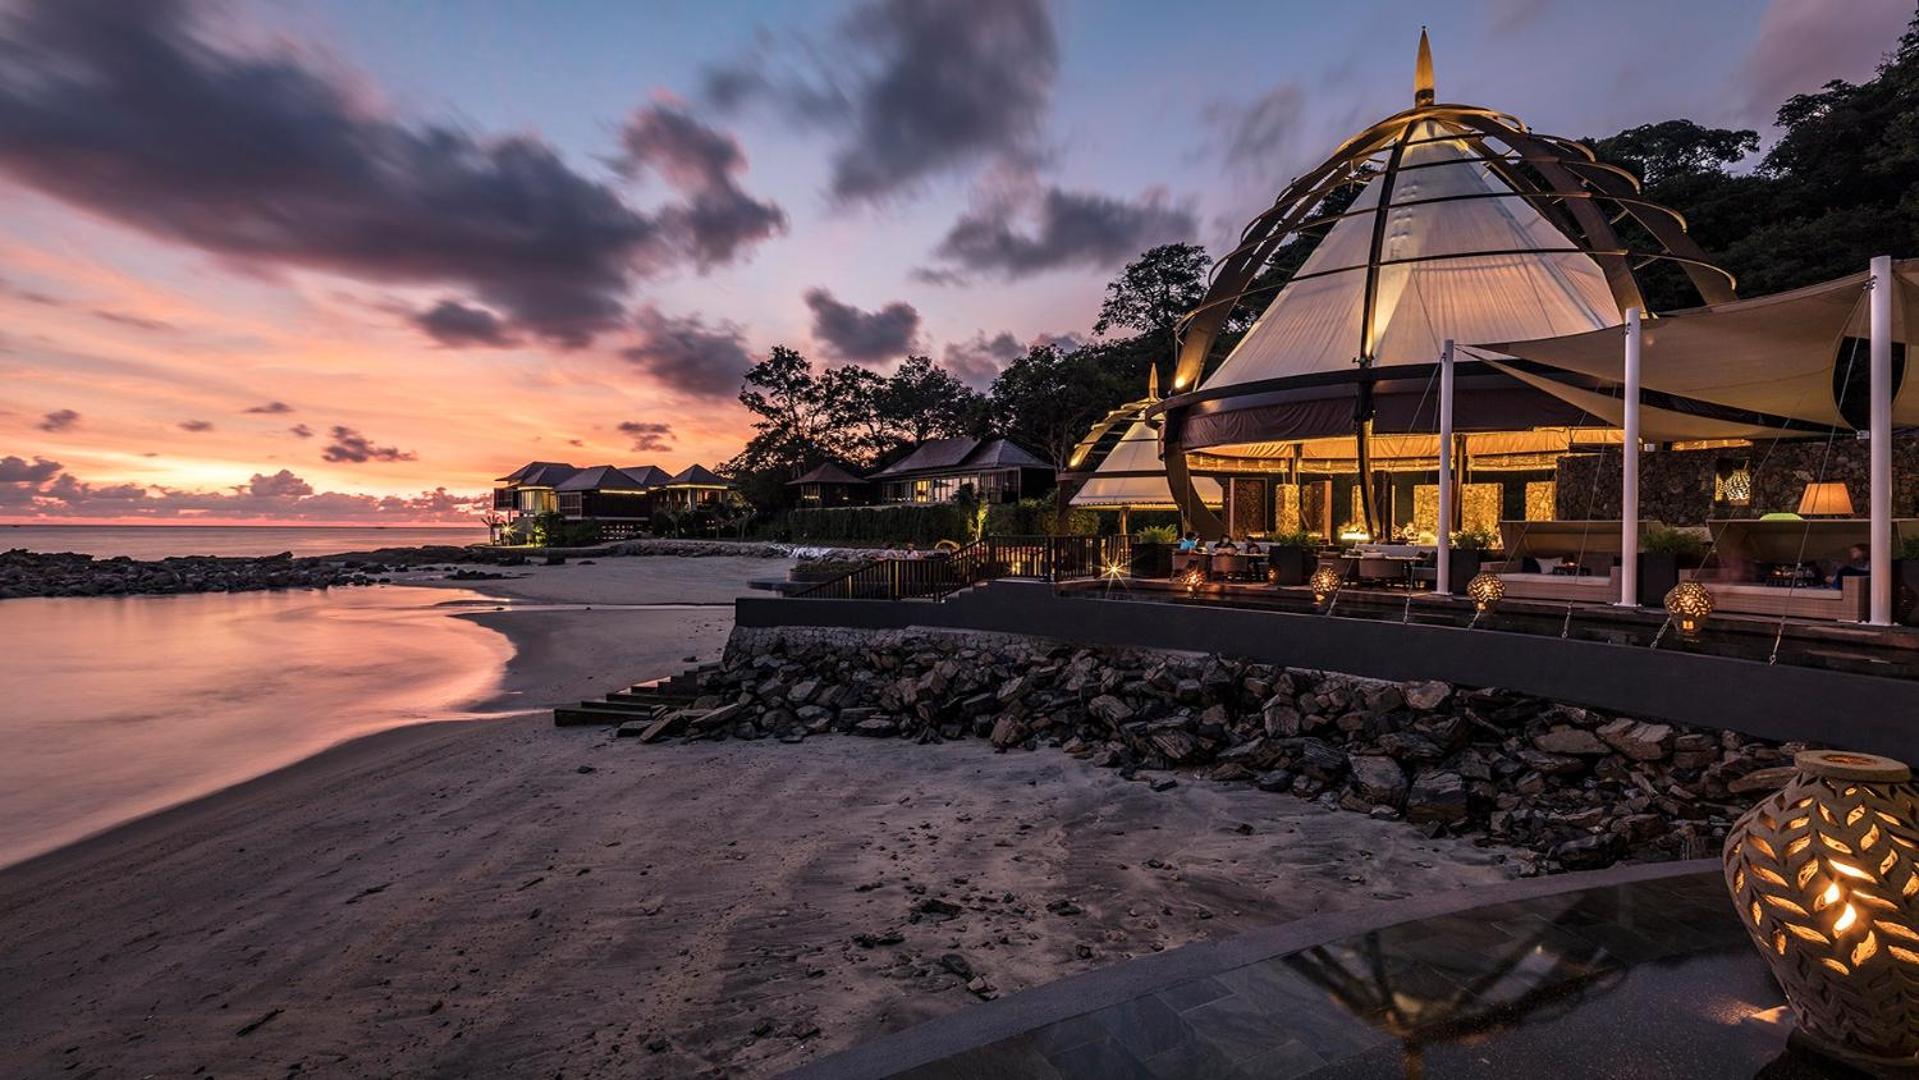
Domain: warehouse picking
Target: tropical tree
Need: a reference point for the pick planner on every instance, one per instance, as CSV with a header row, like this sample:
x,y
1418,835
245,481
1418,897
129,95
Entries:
x,y
1155,290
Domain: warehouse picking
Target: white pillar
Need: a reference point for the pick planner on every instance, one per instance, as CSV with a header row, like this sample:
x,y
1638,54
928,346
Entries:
x,y
1881,483
1443,585
1629,472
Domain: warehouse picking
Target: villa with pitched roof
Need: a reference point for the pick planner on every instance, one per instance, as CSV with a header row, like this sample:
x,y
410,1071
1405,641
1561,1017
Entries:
x,y
620,500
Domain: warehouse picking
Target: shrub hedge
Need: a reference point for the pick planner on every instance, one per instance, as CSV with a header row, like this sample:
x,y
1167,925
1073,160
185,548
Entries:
x,y
923,525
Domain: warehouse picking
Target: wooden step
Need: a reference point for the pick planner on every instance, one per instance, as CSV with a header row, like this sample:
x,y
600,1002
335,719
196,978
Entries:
x,y
599,712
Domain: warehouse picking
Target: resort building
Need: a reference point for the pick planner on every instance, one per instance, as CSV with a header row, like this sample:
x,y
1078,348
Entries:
x,y
829,485
944,470
1117,466
621,501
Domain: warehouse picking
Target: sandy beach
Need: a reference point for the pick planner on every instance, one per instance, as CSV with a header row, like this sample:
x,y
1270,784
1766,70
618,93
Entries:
x,y
500,897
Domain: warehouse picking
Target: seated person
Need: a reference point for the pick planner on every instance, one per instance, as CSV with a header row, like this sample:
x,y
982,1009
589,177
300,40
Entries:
x,y
1188,543
1226,546
1858,563
1253,548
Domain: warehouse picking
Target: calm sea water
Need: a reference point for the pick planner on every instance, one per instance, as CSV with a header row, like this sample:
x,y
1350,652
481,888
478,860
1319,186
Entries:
x,y
160,541
117,706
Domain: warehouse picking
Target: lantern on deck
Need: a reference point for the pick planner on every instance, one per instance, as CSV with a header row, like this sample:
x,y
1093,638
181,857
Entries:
x,y
1688,603
1192,578
1324,583
1485,590
1825,879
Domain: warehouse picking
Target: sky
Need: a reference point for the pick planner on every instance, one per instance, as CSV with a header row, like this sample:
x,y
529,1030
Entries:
x,y
343,261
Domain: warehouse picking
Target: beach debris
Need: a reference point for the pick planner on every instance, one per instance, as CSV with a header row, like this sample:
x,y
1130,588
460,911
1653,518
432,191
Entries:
x,y
258,1024
364,893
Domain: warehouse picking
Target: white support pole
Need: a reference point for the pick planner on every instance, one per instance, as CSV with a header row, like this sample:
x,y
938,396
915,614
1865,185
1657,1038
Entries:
x,y
1881,435
1443,585
1629,472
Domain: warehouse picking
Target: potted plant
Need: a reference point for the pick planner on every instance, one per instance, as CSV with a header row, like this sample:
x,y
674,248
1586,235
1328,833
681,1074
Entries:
x,y
1663,552
1290,557
1152,550
1467,549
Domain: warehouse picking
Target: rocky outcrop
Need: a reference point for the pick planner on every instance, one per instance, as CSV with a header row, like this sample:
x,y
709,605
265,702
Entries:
x,y
1574,787
26,573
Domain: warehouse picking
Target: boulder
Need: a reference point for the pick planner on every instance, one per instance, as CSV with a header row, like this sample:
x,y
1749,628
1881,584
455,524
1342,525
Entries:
x,y
1110,709
1425,696
1570,740
1378,779
1008,732
1438,796
1636,740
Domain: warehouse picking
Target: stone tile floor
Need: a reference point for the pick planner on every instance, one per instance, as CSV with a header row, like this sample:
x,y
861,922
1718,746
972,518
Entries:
x,y
1647,979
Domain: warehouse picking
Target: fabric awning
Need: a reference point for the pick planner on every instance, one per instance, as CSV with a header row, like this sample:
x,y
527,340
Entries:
x,y
1133,476
1778,356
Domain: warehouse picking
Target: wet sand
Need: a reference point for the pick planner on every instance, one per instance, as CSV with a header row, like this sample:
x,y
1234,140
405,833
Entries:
x,y
501,897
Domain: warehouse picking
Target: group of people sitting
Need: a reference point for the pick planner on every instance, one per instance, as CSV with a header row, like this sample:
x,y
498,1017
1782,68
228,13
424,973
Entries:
x,y
1191,544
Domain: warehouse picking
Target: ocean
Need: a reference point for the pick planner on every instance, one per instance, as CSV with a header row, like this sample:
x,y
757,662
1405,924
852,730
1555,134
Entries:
x,y
119,706
160,541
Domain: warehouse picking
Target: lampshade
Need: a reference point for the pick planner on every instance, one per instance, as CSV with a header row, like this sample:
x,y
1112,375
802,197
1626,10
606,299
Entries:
x,y
1827,498
1486,590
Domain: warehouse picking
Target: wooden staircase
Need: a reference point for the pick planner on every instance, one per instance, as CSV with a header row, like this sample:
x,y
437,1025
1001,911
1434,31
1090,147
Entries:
x,y
644,701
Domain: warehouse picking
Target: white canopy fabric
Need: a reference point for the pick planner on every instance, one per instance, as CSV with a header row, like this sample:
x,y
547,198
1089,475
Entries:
x,y
1655,424
1478,293
1774,355
1133,476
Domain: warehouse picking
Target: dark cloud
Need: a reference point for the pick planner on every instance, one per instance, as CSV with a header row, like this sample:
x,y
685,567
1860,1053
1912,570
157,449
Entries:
x,y
918,87
350,445
133,112
648,437
43,488
18,470
32,296
271,408
718,221
1067,229
301,431
1254,134
863,336
1801,44
456,325
688,355
137,322
980,360
59,420
1066,342
196,426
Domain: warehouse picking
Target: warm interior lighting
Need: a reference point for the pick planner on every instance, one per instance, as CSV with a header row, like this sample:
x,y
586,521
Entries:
x,y
1825,498
1688,603
1485,590
1822,873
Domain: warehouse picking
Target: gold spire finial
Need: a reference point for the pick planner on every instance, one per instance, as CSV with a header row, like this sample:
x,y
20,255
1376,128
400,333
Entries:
x,y
1423,72
1152,383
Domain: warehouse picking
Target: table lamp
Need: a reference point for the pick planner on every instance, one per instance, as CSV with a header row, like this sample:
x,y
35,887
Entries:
x,y
1825,498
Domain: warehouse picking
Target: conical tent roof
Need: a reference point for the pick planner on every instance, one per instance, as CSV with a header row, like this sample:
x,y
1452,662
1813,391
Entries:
x,y
1460,254
1132,475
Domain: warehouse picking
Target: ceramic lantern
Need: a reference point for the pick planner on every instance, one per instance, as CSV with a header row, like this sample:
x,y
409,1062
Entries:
x,y
1324,583
1486,590
1825,879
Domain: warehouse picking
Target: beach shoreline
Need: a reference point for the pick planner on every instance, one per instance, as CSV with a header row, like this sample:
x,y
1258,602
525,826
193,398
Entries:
x,y
569,901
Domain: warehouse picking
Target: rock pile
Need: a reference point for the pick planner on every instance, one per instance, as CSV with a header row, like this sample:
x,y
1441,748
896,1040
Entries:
x,y
1578,788
26,573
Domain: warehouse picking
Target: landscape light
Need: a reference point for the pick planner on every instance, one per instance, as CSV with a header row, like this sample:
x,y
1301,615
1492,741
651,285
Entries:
x,y
1324,583
1688,603
1485,590
1824,878
1194,577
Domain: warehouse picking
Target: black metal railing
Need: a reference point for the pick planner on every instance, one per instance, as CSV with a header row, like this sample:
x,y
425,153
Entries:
x,y
936,576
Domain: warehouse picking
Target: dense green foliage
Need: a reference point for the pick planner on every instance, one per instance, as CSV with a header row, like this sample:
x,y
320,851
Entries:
x,y
1840,186
925,525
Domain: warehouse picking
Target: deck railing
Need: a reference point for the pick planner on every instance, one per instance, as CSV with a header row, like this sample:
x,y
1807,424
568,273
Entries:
x,y
936,576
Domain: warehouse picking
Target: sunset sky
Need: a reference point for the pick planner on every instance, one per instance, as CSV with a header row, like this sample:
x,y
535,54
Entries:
x,y
308,260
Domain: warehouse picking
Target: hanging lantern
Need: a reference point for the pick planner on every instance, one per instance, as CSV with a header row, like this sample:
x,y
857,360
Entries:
x,y
1688,603
1824,876
1486,590
1324,583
